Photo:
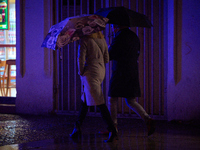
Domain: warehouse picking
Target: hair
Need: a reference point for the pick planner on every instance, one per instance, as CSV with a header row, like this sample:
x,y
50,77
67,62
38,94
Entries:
x,y
97,35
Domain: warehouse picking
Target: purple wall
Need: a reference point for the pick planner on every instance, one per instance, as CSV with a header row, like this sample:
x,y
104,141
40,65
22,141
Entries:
x,y
183,98
34,64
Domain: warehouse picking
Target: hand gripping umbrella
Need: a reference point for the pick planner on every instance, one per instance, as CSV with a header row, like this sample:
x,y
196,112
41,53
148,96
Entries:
x,y
72,29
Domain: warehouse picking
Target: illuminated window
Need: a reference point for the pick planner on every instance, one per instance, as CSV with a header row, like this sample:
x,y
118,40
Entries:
x,y
7,46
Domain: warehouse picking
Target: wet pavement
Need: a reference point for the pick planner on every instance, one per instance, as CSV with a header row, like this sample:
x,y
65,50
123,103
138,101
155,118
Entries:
x,y
51,132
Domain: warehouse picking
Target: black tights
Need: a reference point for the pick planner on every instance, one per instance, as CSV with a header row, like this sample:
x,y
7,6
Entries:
x,y
104,113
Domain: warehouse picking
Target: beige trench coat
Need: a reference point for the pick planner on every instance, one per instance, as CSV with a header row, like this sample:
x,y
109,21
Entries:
x,y
92,56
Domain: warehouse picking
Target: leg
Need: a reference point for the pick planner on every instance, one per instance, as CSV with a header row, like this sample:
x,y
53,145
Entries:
x,y
82,114
106,116
136,107
108,120
112,106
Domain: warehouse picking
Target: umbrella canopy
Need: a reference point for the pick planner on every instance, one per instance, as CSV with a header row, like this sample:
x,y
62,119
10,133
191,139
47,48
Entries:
x,y
124,16
72,29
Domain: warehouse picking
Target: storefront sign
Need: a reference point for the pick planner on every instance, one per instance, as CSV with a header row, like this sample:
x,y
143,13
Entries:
x,y
4,15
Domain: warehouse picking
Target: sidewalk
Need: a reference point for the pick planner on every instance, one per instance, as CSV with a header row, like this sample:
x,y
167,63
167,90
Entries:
x,y
30,132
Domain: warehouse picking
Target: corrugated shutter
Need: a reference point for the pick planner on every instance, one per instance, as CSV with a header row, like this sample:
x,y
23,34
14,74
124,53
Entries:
x,y
151,62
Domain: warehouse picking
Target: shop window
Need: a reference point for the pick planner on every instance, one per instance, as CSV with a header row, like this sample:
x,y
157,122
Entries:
x,y
7,47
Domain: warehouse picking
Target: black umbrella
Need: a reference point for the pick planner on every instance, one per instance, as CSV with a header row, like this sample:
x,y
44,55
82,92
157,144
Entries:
x,y
124,16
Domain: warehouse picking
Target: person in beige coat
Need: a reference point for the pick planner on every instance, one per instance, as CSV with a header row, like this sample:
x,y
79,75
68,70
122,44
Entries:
x,y
92,56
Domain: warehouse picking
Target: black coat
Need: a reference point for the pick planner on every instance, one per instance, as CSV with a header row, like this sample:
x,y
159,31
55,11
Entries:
x,y
124,52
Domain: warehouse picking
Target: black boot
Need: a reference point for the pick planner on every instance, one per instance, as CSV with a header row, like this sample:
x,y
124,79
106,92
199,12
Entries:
x,y
150,126
81,116
112,136
108,120
76,132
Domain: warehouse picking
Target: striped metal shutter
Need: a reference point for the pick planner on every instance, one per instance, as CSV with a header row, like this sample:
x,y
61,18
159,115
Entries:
x,y
152,60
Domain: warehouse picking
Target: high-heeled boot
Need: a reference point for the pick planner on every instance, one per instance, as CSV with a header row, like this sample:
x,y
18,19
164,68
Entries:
x,y
150,126
82,114
76,132
106,132
112,136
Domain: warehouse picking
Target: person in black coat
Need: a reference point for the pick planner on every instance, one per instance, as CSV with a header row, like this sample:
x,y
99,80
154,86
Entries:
x,y
124,52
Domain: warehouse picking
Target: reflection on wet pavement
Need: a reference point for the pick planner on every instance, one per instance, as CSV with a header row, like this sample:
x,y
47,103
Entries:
x,y
29,132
